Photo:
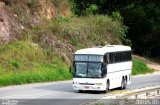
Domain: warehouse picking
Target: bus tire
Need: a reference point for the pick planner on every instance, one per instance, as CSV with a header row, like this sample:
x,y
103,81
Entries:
x,y
126,80
123,84
107,86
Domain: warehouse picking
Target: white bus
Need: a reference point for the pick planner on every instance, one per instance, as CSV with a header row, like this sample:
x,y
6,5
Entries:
x,y
102,68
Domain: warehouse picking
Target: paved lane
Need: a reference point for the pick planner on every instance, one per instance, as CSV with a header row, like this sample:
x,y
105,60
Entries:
x,y
63,90
144,81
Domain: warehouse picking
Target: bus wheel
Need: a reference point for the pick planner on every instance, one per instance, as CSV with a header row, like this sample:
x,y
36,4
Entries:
x,y
123,84
107,86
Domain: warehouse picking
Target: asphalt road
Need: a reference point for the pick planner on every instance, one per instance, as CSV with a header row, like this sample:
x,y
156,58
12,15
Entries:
x,y
61,93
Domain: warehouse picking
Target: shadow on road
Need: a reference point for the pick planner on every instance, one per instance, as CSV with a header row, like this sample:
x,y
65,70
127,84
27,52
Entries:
x,y
91,92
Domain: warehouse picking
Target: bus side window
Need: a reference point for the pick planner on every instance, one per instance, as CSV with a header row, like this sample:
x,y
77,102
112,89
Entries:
x,y
106,58
111,58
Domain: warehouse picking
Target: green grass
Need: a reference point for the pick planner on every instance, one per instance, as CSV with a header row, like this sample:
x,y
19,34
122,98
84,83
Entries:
x,y
43,74
24,62
140,67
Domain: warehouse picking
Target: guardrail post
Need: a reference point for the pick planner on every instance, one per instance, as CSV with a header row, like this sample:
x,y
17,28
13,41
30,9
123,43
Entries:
x,y
136,96
147,94
157,92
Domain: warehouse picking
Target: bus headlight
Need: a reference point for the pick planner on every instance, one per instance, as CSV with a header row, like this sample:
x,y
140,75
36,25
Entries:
x,y
100,84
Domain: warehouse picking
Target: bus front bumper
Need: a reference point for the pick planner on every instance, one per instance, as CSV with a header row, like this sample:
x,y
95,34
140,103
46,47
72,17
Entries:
x,y
89,87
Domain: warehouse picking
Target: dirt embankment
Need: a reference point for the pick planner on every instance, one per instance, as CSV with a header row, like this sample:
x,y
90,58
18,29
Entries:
x,y
154,66
8,25
15,14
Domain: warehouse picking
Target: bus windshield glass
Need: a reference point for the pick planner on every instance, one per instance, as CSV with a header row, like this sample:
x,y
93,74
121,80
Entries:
x,y
88,70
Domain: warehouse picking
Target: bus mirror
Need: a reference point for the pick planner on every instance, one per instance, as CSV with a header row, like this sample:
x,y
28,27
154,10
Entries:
x,y
104,69
71,70
104,65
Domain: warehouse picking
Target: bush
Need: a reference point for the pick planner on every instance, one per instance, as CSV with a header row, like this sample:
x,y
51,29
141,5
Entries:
x,y
15,64
91,10
139,67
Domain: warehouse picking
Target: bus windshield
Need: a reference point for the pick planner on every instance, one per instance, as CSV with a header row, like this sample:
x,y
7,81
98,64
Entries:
x,y
88,70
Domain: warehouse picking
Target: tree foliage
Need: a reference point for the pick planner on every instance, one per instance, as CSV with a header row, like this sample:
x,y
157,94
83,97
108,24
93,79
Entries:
x,y
141,16
143,20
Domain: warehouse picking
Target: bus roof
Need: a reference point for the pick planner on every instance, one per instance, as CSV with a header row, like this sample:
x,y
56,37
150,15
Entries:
x,y
103,50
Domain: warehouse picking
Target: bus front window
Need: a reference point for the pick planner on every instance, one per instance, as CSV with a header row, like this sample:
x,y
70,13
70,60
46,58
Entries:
x,y
94,70
81,69
88,70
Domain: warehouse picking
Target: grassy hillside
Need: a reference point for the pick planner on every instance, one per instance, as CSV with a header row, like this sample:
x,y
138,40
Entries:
x,y
46,50
26,62
49,36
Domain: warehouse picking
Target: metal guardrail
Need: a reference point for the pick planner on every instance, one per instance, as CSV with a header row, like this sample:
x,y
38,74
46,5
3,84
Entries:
x,y
142,97
145,94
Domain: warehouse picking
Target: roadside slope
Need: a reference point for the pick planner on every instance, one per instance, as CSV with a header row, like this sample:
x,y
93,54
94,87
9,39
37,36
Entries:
x,y
151,63
48,36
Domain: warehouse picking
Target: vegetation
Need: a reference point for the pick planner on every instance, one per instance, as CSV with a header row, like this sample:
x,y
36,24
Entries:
x,y
49,36
94,30
139,67
141,16
25,62
80,32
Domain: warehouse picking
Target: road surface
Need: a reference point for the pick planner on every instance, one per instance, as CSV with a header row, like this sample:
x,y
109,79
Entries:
x,y
58,92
